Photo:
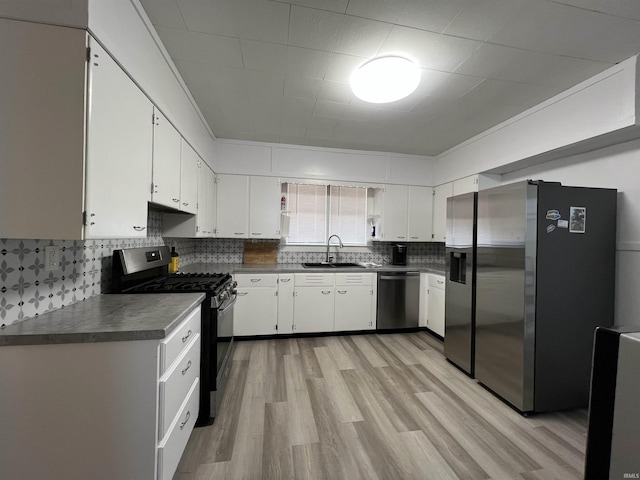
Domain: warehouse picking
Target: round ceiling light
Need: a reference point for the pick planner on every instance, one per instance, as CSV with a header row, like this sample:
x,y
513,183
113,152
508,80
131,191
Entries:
x,y
385,79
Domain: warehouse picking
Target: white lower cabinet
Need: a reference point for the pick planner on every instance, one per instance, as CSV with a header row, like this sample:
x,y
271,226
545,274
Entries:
x,y
116,410
256,310
355,302
313,309
435,304
285,302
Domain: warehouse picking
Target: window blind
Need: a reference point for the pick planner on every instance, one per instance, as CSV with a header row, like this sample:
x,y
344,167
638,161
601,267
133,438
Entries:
x,y
308,211
348,217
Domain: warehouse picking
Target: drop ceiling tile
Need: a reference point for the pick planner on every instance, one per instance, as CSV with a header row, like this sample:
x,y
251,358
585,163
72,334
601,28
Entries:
x,y
327,109
431,15
302,87
481,20
449,52
339,6
510,93
297,107
165,13
341,67
383,10
564,30
361,37
320,128
315,29
249,19
306,62
411,43
201,47
512,64
264,56
622,8
262,83
335,92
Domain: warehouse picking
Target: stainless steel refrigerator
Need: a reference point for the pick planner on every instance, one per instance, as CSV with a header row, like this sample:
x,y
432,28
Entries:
x,y
460,251
545,281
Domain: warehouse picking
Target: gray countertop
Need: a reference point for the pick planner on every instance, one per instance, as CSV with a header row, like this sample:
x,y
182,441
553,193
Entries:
x,y
105,318
437,268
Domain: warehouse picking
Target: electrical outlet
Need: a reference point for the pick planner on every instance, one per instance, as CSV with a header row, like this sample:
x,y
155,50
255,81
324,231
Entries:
x,y
51,258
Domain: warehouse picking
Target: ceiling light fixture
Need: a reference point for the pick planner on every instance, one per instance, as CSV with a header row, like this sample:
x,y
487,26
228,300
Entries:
x,y
385,79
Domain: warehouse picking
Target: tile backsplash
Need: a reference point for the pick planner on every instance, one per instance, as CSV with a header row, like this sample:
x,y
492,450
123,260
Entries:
x,y
27,290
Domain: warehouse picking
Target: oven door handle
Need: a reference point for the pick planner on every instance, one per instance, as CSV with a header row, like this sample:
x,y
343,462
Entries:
x,y
229,304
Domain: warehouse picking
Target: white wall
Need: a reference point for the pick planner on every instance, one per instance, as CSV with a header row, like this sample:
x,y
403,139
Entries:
x,y
598,112
292,161
617,167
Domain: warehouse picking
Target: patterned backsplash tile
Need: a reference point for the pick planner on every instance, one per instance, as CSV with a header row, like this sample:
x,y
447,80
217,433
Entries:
x,y
27,290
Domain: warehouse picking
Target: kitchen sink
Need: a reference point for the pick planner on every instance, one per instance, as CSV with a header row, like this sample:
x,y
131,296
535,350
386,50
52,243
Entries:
x,y
332,265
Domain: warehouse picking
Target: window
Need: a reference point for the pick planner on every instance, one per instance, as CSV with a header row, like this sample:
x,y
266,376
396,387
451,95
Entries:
x,y
318,211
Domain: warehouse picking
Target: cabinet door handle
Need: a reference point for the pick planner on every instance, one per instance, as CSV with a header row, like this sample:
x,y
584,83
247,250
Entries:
x,y
186,419
176,200
342,292
326,292
256,279
185,369
186,337
138,229
284,280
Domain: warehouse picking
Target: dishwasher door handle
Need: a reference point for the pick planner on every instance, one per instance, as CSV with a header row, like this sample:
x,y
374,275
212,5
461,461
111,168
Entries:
x,y
398,277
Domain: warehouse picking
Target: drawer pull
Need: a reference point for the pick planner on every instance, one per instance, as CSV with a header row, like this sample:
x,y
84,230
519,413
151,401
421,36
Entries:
x,y
326,292
186,204
186,419
342,292
254,280
242,294
186,337
184,370
256,233
284,280
176,200
440,282
138,229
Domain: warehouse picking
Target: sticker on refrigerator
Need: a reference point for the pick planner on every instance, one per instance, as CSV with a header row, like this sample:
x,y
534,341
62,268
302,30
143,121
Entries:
x,y
553,215
577,219
550,228
563,223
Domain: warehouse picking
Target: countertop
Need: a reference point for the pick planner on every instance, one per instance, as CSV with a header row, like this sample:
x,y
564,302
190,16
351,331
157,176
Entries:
x,y
437,268
105,318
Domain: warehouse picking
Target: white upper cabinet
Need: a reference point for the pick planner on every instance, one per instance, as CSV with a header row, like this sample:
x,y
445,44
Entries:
x,y
119,151
166,162
42,122
440,195
232,206
420,209
189,179
475,183
264,207
206,201
394,213
405,213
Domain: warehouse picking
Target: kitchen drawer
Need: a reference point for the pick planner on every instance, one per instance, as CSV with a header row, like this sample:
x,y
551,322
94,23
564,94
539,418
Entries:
x,y
175,384
285,279
261,280
354,278
171,448
436,281
172,346
313,279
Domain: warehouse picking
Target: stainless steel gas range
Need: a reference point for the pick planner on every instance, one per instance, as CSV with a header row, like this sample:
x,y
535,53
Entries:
x,y
145,270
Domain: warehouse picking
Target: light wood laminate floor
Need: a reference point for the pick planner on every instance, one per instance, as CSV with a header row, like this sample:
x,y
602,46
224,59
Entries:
x,y
373,407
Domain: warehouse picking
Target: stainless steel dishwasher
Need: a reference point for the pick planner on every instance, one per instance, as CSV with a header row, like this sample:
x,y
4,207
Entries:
x,y
398,300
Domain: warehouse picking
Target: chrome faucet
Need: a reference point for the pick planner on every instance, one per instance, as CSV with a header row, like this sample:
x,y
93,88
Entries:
x,y
329,241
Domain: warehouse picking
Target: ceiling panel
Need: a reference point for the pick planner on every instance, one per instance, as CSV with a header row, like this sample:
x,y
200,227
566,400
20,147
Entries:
x,y
280,69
